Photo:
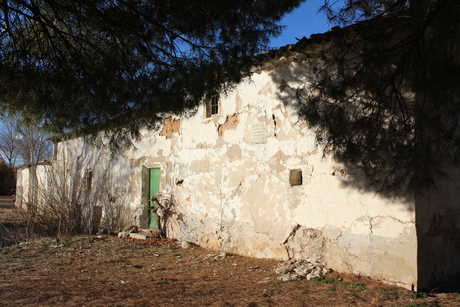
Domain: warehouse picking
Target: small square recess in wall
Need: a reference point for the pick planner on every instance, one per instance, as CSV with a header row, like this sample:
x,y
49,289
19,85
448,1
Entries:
x,y
295,177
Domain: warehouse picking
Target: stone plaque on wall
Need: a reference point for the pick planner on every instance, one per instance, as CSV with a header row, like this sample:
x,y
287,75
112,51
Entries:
x,y
257,133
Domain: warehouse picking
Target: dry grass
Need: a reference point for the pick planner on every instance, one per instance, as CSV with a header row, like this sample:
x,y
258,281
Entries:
x,y
107,271
12,226
64,200
6,202
87,270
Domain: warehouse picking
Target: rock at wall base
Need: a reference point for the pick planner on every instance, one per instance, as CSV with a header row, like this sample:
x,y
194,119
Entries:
x,y
123,235
300,269
151,233
137,236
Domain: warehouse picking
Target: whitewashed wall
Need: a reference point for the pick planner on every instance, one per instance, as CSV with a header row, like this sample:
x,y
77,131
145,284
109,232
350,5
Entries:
x,y
229,175
27,181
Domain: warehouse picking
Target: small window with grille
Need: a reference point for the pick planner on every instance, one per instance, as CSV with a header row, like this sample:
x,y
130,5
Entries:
x,y
212,106
89,179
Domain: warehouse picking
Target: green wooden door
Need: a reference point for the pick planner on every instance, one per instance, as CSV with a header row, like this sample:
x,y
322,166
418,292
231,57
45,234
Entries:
x,y
154,187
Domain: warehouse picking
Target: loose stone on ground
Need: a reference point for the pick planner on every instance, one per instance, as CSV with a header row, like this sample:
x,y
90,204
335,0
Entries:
x,y
300,269
134,232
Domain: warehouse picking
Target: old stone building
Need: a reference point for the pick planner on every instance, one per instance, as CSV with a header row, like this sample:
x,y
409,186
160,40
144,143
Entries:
x,y
246,176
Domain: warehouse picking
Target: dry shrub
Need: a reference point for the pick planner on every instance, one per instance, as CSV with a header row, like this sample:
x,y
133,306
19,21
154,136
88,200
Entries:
x,y
12,228
169,216
66,200
116,215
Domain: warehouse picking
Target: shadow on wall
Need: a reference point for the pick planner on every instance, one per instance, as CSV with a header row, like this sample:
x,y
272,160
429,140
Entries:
x,y
370,154
360,106
384,106
394,129
78,192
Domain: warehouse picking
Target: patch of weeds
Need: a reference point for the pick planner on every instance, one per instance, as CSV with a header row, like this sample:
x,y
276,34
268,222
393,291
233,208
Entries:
x,y
67,242
45,244
357,286
419,294
115,261
391,292
430,304
306,291
123,248
9,249
325,280
157,269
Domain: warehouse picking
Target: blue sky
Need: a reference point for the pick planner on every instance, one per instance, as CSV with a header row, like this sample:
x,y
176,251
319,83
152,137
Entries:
x,y
303,21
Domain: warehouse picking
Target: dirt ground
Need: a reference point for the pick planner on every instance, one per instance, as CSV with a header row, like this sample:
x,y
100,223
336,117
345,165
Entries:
x,y
107,271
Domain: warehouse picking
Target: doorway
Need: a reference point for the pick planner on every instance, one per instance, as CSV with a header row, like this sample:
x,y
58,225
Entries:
x,y
151,187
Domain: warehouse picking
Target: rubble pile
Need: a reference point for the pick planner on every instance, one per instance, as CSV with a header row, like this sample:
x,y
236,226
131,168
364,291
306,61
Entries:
x,y
294,269
134,232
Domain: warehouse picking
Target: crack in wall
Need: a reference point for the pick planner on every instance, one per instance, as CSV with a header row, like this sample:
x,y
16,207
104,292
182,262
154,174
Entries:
x,y
371,226
372,221
274,125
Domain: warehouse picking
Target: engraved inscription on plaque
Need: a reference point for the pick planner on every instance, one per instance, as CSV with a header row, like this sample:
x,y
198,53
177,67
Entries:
x,y
258,133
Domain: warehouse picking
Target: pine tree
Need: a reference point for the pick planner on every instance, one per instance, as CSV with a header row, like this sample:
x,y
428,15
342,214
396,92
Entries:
x,y
389,100
95,64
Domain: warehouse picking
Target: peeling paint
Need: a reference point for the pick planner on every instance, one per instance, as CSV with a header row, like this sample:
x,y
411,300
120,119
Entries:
x,y
231,122
229,176
170,126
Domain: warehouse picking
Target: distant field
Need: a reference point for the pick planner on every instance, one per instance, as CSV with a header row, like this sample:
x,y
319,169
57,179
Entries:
x,y
6,201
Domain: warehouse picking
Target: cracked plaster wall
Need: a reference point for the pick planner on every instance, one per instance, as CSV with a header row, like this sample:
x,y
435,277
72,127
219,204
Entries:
x,y
234,190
